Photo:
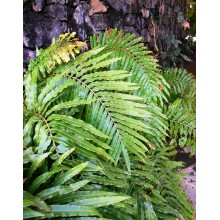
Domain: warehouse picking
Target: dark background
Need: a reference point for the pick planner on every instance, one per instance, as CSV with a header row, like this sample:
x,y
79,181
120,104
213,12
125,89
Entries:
x,y
45,19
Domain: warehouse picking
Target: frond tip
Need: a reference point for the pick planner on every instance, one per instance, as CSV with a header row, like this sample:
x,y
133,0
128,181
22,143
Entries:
x,y
65,47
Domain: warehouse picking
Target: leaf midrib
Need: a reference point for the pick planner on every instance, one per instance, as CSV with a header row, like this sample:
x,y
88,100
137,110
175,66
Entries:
x,y
182,124
98,99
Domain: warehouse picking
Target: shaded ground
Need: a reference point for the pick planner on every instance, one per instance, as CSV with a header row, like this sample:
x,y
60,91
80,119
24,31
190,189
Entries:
x,y
189,183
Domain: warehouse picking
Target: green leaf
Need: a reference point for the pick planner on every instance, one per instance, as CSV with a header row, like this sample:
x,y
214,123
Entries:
x,y
149,211
100,201
72,210
30,83
108,182
49,193
90,218
36,163
28,202
78,123
69,104
28,128
29,213
126,158
49,86
157,194
112,104
69,174
82,143
28,155
42,179
78,195
87,136
40,204
61,190
62,158
53,95
115,213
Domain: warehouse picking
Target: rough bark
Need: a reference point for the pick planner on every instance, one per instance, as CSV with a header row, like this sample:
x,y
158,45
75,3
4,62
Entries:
x,y
151,19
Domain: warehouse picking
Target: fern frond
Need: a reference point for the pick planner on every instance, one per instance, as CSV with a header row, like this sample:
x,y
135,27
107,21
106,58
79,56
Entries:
x,y
55,193
153,186
136,59
182,124
182,85
47,127
181,108
60,51
163,191
114,104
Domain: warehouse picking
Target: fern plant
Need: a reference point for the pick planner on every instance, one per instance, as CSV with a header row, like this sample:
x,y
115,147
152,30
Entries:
x,y
144,72
181,108
113,106
158,90
50,189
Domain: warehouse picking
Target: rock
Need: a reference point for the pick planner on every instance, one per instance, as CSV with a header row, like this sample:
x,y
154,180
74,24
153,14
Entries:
x,y
162,8
120,5
82,34
100,22
116,20
130,20
148,3
145,36
38,5
127,6
128,29
185,25
62,2
141,23
27,56
155,2
81,22
48,18
39,30
89,25
76,2
97,7
65,2
80,13
26,6
114,4
187,149
189,184
25,1
145,12
57,11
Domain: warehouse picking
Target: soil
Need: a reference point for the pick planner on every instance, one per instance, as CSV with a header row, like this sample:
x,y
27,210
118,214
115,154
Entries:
x,y
189,181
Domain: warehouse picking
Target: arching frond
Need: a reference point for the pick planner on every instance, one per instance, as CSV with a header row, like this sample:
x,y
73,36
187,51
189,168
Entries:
x,y
137,60
115,108
182,124
48,128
